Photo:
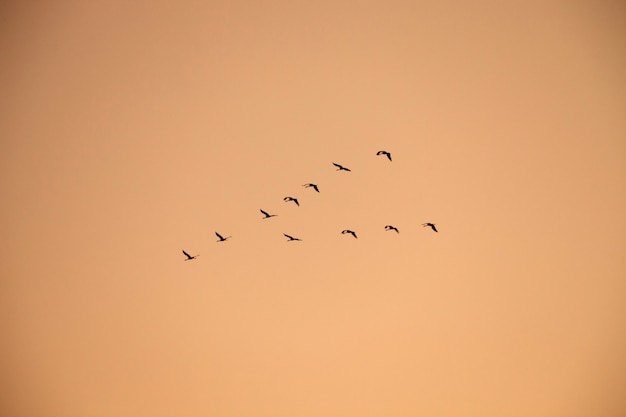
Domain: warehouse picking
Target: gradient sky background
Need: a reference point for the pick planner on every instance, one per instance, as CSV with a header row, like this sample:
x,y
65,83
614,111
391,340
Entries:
x,y
133,130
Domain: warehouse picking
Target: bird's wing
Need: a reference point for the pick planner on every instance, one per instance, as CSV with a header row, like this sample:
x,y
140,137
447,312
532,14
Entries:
x,y
337,165
434,228
218,235
315,188
380,152
295,200
264,212
186,254
389,156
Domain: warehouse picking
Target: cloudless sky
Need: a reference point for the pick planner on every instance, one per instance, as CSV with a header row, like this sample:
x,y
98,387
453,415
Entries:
x,y
133,130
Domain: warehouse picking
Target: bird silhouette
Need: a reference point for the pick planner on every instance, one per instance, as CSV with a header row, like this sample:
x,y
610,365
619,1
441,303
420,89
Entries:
x,y
189,257
267,215
384,153
349,231
431,225
392,228
290,237
295,200
340,167
222,238
314,186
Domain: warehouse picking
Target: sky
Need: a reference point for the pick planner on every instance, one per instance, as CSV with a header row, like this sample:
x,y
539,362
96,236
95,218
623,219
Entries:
x,y
131,131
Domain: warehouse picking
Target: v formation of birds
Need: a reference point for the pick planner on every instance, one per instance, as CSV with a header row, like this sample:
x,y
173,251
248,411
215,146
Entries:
x,y
295,201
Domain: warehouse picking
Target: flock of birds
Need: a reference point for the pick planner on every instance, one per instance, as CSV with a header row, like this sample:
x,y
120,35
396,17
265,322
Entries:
x,y
290,238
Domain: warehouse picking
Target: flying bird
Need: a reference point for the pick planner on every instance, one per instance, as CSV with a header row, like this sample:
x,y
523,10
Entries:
x,y
431,225
295,200
267,215
392,228
384,153
189,257
290,237
340,167
349,231
222,238
312,185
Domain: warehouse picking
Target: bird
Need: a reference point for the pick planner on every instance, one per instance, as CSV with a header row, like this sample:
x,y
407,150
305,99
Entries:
x,y
340,167
431,225
189,257
392,228
290,237
384,153
295,200
266,214
222,238
349,231
312,185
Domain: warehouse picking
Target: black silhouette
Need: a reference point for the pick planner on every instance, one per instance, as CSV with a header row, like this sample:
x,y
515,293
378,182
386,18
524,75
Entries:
x,y
392,228
295,200
290,237
431,225
349,231
341,168
267,215
189,257
222,239
384,153
312,185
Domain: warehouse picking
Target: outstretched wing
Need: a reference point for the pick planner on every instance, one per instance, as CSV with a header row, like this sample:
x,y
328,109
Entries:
x,y
389,156
187,255
265,213
337,165
433,226
219,236
315,188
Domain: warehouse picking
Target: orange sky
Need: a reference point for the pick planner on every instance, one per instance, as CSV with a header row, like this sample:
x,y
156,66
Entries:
x,y
133,130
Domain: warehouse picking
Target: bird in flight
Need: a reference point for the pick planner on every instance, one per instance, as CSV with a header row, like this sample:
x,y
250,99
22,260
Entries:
x,y
349,231
222,238
267,215
290,237
295,200
189,257
312,185
431,225
384,153
392,228
340,167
